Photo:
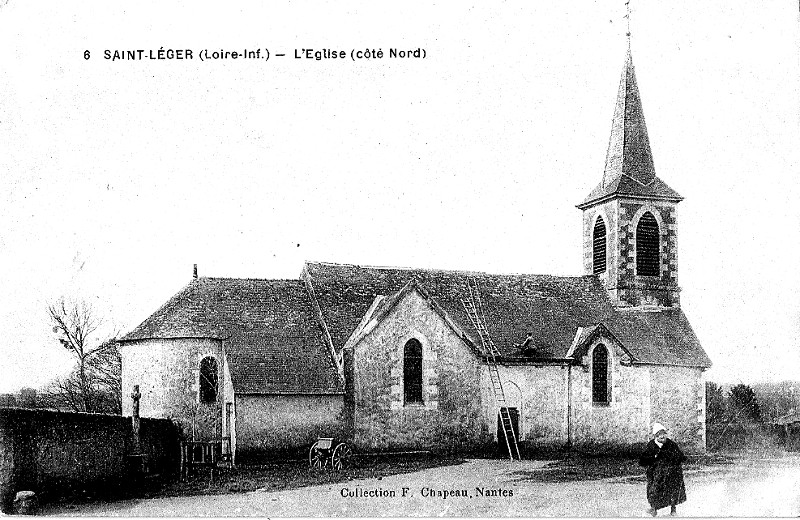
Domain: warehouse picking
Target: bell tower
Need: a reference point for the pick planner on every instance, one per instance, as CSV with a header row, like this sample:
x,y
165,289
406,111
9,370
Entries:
x,y
630,227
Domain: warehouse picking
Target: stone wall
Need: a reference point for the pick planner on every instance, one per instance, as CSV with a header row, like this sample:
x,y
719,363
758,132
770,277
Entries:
x,y
539,393
621,217
623,423
640,395
610,214
635,289
678,402
270,426
52,452
168,375
451,416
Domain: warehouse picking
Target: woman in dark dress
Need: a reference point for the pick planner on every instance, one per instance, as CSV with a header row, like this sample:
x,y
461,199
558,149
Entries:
x,y
663,459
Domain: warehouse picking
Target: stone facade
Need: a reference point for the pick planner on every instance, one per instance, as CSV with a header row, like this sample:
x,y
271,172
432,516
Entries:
x,y
542,421
554,400
624,284
168,374
680,404
623,421
556,408
451,416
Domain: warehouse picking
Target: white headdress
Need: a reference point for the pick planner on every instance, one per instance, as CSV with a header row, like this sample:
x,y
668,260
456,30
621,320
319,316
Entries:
x,y
657,427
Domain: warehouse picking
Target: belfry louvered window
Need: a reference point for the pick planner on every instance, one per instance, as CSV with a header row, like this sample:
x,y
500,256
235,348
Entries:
x,y
412,372
647,245
600,375
599,247
209,380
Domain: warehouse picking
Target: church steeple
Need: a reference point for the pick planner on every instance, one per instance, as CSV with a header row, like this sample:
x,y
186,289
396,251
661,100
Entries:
x,y
629,168
630,218
629,147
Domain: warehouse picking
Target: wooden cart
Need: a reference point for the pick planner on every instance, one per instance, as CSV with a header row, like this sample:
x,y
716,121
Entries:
x,y
325,453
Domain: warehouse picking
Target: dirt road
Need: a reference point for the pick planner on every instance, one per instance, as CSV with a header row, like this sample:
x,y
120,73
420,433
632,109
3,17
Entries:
x,y
760,487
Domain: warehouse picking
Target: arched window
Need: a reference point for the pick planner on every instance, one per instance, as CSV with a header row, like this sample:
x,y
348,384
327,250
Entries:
x,y
600,393
647,254
599,246
412,371
209,380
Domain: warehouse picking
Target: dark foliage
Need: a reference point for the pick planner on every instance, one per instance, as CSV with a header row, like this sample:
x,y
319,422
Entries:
x,y
715,403
743,404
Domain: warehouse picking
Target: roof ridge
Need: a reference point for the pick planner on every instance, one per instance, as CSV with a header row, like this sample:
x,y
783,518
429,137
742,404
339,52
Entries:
x,y
645,308
401,268
450,271
248,279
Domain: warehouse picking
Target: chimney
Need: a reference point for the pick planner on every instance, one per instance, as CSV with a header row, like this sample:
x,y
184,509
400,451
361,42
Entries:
x,y
194,272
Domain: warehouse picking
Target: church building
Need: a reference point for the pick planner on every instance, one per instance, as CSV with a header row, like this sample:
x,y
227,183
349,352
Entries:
x,y
424,359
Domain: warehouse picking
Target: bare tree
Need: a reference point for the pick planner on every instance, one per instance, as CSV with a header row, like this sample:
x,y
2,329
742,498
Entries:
x,y
63,393
95,384
105,372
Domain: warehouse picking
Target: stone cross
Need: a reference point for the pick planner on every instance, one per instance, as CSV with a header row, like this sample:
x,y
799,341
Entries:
x,y
136,395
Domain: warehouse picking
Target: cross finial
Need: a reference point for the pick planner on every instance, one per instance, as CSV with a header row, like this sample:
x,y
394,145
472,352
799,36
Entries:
x,y
628,18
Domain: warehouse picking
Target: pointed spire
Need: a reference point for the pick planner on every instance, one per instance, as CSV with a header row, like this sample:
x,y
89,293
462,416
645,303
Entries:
x,y
629,148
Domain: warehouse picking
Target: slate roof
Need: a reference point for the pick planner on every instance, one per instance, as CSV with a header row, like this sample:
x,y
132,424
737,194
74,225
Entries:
x,y
629,168
658,336
273,341
550,307
625,186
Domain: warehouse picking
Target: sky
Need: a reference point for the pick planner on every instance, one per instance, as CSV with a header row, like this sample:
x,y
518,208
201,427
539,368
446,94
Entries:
x,y
117,176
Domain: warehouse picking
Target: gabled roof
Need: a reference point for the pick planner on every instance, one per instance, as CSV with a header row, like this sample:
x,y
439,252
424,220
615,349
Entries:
x,y
552,308
655,336
275,344
383,306
272,339
549,306
586,335
629,168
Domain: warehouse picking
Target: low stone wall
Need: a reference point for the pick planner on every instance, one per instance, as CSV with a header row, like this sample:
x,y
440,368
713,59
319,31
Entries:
x,y
53,452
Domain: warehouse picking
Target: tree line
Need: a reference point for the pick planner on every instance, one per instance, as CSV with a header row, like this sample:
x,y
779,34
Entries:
x,y
746,404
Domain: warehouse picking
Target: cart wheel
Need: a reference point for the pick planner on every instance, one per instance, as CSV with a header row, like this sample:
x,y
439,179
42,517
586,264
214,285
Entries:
x,y
316,458
341,456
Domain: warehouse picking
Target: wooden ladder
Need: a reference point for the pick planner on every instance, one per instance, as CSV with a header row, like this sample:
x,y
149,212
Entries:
x,y
474,307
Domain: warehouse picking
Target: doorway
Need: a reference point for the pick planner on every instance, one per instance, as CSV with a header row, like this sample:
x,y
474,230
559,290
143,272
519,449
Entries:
x,y
513,413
